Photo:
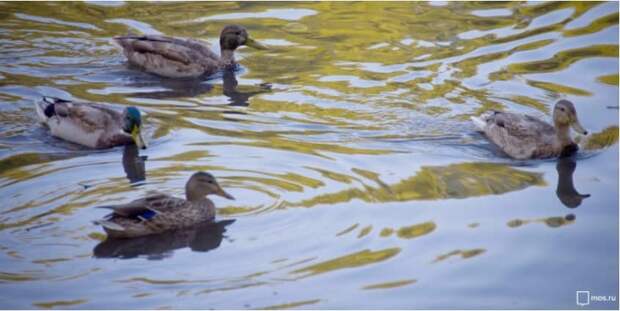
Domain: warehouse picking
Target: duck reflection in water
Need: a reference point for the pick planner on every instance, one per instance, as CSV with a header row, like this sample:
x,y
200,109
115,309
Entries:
x,y
133,164
194,87
162,88
566,191
238,98
200,238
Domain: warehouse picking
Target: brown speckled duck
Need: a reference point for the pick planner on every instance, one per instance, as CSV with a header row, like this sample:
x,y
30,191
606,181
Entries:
x,y
184,58
525,137
159,212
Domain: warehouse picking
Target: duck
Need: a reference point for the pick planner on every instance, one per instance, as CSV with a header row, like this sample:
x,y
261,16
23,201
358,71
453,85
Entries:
x,y
523,137
172,57
92,125
159,212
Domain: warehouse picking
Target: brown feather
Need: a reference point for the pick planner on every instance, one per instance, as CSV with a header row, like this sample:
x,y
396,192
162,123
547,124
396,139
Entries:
x,y
521,136
167,56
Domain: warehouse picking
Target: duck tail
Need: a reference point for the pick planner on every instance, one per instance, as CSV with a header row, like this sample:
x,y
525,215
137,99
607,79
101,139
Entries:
x,y
46,107
41,106
478,122
118,42
112,207
123,41
109,225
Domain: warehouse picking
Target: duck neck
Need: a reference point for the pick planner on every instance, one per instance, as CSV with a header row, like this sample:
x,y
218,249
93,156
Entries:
x,y
227,58
192,197
563,133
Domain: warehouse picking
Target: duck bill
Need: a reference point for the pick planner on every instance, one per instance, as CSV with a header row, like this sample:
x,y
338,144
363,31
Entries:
x,y
578,128
224,194
254,44
136,134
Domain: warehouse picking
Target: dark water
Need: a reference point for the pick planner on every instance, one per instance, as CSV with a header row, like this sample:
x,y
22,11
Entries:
x,y
359,181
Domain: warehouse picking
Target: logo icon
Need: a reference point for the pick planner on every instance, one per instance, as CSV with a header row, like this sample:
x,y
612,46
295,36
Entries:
x,y
583,297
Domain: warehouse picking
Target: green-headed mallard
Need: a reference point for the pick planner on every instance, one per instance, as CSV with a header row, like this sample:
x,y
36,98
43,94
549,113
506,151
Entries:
x,y
184,58
159,212
91,125
525,137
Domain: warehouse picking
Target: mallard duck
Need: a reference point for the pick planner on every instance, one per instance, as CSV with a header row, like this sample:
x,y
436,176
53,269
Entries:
x,y
525,137
159,212
184,58
91,125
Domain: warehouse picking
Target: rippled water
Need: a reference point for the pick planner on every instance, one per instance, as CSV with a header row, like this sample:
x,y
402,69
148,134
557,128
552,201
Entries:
x,y
359,181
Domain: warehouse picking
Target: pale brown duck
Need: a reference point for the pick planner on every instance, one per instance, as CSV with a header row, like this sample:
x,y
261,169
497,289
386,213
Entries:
x,y
525,137
159,212
184,57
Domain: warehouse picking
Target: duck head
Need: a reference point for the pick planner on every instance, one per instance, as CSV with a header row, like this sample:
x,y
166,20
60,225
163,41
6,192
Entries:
x,y
564,115
202,184
132,125
234,36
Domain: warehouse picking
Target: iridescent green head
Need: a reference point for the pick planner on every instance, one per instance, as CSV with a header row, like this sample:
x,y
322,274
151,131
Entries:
x,y
132,124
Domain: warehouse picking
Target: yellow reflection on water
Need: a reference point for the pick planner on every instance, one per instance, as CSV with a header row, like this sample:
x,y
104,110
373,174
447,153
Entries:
x,y
392,284
603,139
464,254
291,305
353,260
439,182
59,303
551,222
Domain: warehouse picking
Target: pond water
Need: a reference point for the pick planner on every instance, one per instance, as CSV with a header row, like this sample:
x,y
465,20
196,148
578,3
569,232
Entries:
x,y
360,181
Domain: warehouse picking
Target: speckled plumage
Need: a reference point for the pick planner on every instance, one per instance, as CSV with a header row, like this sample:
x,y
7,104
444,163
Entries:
x,y
171,213
159,212
522,136
169,57
180,57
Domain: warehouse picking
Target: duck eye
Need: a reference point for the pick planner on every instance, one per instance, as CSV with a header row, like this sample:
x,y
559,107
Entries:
x,y
562,109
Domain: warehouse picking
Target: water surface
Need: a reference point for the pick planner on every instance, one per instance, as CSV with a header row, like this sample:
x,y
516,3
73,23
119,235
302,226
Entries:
x,y
360,182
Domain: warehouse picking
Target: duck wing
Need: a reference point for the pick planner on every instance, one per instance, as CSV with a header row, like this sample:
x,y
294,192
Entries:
x,y
85,117
520,136
185,51
519,125
147,207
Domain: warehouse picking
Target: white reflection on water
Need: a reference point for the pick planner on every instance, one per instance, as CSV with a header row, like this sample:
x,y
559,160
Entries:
x,y
285,14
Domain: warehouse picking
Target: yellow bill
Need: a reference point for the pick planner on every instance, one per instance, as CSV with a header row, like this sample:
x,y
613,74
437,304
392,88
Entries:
x,y
223,193
255,44
136,134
